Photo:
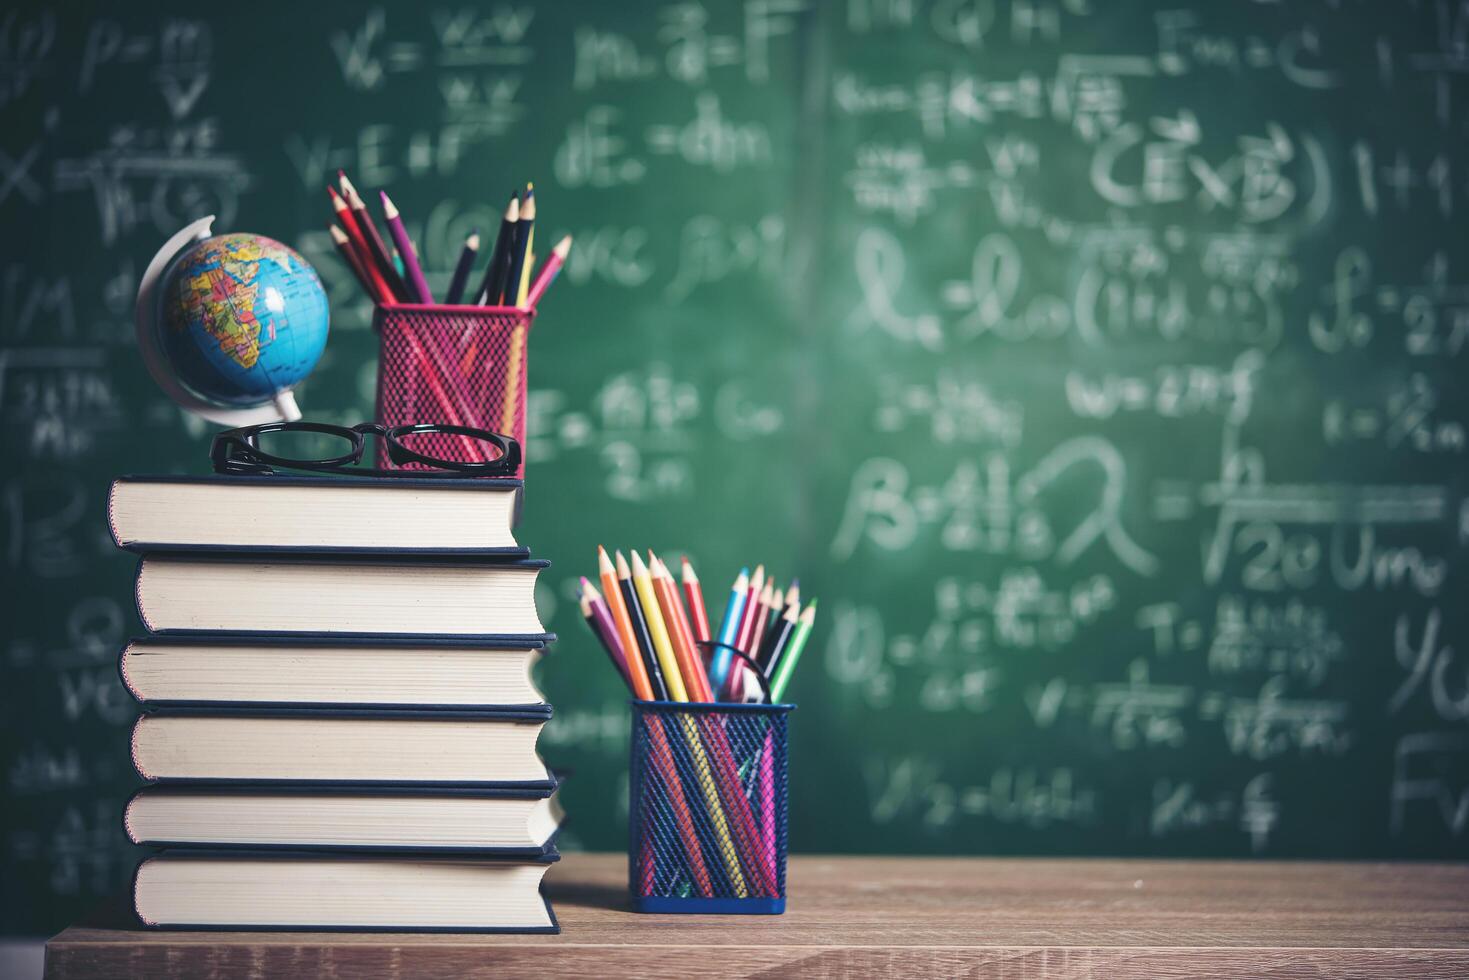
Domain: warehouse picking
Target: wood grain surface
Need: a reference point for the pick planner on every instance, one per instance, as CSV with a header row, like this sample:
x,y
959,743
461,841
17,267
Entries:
x,y
1026,919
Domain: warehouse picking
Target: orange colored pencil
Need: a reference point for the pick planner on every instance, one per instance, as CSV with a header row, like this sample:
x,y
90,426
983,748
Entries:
x,y
696,680
642,687
668,772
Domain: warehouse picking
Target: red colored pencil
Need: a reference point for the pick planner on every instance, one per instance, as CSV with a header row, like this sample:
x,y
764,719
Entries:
x,y
370,237
696,679
349,255
694,593
381,291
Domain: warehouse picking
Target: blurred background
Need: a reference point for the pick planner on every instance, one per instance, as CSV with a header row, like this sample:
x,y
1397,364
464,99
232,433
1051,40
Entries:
x,y
1098,366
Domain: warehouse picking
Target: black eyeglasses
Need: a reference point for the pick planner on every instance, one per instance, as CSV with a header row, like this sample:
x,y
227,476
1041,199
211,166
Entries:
x,y
319,447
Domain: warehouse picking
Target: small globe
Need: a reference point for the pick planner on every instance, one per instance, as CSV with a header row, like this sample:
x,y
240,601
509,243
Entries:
x,y
243,318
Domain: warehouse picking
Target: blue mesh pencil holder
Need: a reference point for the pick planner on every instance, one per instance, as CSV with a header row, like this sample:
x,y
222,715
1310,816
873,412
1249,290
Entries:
x,y
708,808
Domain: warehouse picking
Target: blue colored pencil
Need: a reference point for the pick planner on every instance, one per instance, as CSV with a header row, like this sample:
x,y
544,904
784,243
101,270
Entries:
x,y
729,629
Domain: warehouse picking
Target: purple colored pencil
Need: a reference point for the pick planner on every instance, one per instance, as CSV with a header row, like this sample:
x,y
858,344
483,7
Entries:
x,y
417,284
599,617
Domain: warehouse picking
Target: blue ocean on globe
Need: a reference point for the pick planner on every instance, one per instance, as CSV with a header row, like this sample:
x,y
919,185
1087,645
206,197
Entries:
x,y
243,318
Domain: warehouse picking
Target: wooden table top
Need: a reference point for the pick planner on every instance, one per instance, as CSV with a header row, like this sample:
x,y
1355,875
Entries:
x,y
900,917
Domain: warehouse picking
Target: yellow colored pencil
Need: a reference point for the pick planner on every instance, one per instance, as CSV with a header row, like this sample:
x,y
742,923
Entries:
x,y
658,630
673,678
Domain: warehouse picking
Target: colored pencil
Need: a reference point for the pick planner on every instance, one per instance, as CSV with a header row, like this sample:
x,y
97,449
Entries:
x,y
785,628
695,653
658,630
762,617
667,768
751,610
519,248
460,279
729,628
793,594
735,679
696,682
514,367
521,284
374,242
344,246
417,284
767,798
381,292
727,775
548,272
637,674
694,593
597,615
492,285
639,622
781,671
663,762
431,373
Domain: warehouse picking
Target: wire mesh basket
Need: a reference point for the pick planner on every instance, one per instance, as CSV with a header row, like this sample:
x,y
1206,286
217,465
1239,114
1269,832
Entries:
x,y
708,808
460,365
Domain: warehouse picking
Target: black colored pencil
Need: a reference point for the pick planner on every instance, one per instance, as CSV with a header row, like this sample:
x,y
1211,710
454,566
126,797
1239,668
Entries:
x,y
520,251
779,640
640,628
493,282
461,271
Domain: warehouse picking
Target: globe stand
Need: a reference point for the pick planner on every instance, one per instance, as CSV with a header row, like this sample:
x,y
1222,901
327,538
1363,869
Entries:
x,y
146,317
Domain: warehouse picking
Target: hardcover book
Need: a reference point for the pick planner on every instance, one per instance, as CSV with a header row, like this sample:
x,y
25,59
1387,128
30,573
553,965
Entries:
x,y
520,822
383,672
327,595
316,514
456,748
277,890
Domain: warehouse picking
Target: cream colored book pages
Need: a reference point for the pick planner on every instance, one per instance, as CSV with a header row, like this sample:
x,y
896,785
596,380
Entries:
x,y
218,891
337,749
264,819
178,594
287,674
254,515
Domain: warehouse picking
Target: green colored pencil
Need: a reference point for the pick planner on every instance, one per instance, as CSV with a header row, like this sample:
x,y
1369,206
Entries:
x,y
787,665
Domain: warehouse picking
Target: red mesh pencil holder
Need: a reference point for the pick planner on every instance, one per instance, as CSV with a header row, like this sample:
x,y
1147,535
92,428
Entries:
x,y
455,365
707,820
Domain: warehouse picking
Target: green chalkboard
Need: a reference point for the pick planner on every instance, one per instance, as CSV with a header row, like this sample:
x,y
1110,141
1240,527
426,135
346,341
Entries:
x,y
1097,365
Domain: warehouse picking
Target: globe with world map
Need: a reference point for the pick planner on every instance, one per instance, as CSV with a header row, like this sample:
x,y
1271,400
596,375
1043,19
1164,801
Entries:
x,y
243,318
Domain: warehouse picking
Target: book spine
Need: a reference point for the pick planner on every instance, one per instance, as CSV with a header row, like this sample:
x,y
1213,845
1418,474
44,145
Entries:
x,y
133,749
127,820
133,891
122,672
138,595
112,514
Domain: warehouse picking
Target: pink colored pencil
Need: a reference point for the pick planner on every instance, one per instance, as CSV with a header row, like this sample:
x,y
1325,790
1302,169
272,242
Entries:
x,y
548,273
767,799
599,617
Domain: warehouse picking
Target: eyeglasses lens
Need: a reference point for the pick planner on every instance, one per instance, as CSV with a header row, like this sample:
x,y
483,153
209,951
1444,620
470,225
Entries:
x,y
446,448
304,447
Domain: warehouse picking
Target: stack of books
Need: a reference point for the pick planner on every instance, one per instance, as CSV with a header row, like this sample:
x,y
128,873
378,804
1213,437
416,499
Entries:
x,y
339,722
